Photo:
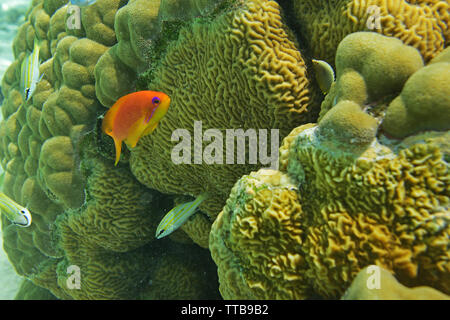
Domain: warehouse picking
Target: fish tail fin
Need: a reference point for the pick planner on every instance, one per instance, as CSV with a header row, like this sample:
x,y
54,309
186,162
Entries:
x,y
176,217
118,145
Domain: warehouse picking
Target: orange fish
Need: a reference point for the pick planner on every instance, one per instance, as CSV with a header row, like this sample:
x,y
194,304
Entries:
x,y
134,116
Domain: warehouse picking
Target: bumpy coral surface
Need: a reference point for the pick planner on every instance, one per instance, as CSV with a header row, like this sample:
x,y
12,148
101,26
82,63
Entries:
x,y
310,234
424,103
346,197
241,70
85,214
422,24
38,140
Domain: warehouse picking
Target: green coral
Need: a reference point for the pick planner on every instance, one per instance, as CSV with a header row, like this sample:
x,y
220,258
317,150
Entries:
x,y
345,197
307,232
323,24
424,103
370,66
29,291
347,126
86,212
241,69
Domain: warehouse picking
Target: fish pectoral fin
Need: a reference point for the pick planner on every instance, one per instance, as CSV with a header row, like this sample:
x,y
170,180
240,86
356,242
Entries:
x,y
150,129
133,139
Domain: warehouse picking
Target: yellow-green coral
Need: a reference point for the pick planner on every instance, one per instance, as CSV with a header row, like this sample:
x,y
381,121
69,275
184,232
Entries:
x,y
39,138
256,240
99,219
422,24
383,286
370,66
242,70
347,126
29,291
423,104
309,236
345,197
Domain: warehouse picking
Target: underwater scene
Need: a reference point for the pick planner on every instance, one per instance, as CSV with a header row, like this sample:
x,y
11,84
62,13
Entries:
x,y
225,149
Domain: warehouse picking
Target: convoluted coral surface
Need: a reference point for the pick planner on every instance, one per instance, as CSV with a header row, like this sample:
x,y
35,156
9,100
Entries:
x,y
85,214
362,178
422,24
346,197
241,70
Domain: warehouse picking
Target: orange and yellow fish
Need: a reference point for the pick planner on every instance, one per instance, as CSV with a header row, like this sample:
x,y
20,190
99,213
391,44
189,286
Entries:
x,y
134,116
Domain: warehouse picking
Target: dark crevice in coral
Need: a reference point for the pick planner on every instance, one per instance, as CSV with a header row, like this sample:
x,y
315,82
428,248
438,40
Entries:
x,y
289,16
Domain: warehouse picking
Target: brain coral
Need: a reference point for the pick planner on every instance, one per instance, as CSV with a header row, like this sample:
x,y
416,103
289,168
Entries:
x,y
387,288
38,138
309,232
345,197
240,70
422,24
84,213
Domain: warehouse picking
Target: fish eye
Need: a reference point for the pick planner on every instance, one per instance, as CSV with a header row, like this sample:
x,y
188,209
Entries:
x,y
23,211
156,100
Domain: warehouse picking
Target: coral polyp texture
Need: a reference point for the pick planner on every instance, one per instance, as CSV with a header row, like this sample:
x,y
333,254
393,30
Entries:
x,y
363,172
422,24
346,196
241,70
85,214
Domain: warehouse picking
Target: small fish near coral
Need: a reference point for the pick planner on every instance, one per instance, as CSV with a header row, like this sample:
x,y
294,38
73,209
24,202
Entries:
x,y
324,74
176,217
82,3
29,72
134,116
18,215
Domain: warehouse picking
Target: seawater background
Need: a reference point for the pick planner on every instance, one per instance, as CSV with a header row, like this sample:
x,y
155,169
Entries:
x,y
12,13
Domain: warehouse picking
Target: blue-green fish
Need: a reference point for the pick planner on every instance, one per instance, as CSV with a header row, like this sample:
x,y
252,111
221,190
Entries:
x,y
176,217
82,3
15,213
29,72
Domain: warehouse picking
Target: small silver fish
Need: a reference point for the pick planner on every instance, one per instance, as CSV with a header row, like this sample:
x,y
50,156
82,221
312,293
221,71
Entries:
x,y
176,217
29,72
82,3
15,213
